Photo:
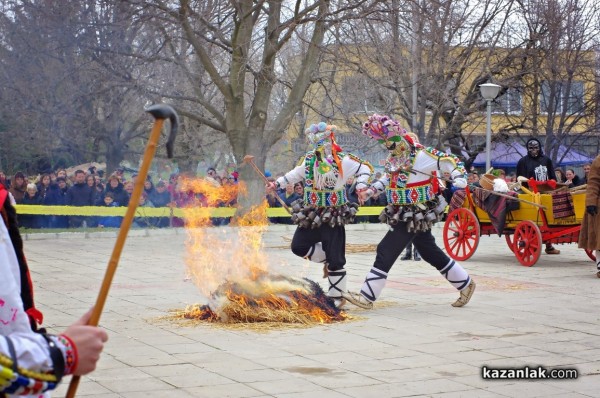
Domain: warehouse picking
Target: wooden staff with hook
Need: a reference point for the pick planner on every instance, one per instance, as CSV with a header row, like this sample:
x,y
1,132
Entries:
x,y
160,112
250,160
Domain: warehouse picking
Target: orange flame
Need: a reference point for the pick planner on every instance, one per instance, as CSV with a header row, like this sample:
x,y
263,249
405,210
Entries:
x,y
219,254
229,266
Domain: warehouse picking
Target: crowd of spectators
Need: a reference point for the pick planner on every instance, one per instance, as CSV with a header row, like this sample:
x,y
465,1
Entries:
x,y
93,188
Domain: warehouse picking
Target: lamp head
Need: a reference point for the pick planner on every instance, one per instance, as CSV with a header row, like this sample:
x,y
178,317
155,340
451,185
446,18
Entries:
x,y
489,91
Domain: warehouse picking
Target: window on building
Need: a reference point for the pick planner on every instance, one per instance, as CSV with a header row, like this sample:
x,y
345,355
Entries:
x,y
555,93
509,102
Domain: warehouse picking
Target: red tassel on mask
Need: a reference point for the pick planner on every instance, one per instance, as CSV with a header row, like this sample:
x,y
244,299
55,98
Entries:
x,y
335,148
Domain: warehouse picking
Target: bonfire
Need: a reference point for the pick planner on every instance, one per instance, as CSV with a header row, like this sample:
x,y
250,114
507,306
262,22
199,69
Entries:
x,y
230,267
270,298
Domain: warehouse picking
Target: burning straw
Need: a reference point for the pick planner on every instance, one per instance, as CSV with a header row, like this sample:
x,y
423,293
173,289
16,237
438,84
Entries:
x,y
230,267
268,299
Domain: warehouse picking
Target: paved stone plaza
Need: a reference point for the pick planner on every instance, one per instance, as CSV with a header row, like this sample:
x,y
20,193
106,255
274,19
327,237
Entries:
x,y
413,343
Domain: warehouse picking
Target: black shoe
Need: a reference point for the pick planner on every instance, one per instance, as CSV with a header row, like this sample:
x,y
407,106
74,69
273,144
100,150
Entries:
x,y
407,256
417,256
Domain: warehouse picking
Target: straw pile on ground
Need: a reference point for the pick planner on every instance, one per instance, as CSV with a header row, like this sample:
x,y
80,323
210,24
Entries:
x,y
268,299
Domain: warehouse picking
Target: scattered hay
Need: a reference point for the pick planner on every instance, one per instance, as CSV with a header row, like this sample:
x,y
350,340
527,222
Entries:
x,y
269,301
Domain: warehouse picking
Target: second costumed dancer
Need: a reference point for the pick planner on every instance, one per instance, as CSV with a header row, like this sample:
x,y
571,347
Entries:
x,y
411,185
324,210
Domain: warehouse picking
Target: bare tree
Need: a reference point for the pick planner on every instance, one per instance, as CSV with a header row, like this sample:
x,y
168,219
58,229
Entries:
x,y
41,83
560,86
73,96
235,47
422,61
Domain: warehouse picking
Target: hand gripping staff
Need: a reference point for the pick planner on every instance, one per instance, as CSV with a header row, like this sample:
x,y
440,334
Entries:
x,y
160,112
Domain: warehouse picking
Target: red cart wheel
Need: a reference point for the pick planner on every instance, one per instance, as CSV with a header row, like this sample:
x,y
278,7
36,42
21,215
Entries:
x,y
461,234
527,243
590,254
509,242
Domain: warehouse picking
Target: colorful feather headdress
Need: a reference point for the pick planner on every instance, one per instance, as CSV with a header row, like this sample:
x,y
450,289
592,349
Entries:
x,y
388,132
318,133
384,129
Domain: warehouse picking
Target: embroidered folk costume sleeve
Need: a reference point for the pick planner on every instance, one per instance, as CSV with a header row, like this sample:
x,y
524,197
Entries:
x,y
412,184
30,363
427,161
351,166
324,172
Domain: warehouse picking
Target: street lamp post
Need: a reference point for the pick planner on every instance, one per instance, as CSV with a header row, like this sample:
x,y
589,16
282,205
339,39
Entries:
x,y
489,91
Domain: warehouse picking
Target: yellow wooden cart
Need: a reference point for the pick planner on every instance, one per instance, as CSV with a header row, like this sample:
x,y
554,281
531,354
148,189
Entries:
x,y
526,230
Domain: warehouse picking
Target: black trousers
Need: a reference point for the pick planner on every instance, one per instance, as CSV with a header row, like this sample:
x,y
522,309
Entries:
x,y
332,239
394,242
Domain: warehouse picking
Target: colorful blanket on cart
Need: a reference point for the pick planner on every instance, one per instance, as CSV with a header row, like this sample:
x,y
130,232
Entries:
x,y
562,204
497,207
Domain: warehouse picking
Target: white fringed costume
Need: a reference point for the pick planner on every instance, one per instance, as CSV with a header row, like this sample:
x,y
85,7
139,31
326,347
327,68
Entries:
x,y
411,185
324,210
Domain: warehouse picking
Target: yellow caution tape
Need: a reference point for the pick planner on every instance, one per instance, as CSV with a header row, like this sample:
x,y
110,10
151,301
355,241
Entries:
x,y
155,211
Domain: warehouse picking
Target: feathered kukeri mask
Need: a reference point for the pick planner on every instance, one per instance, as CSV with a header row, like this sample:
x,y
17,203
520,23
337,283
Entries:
x,y
388,132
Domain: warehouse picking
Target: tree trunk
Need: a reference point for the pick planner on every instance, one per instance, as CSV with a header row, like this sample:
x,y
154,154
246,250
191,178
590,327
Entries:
x,y
250,144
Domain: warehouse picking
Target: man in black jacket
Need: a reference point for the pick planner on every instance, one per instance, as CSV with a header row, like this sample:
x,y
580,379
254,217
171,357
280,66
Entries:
x,y
80,194
535,164
538,166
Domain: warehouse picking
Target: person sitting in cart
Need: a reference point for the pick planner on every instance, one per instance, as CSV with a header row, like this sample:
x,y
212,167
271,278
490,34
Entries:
x,y
538,166
572,179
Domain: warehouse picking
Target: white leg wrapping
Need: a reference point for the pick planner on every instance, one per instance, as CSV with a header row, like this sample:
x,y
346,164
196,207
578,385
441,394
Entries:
x,y
316,253
373,284
456,275
337,282
597,254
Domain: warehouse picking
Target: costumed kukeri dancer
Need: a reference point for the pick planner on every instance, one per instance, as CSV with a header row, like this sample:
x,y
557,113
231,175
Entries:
x,y
33,363
415,203
324,210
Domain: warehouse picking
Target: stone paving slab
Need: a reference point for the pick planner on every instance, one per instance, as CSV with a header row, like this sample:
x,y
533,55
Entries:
x,y
413,343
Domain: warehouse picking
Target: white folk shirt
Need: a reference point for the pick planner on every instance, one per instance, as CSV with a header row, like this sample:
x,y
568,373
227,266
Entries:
x,y
424,165
350,168
31,348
